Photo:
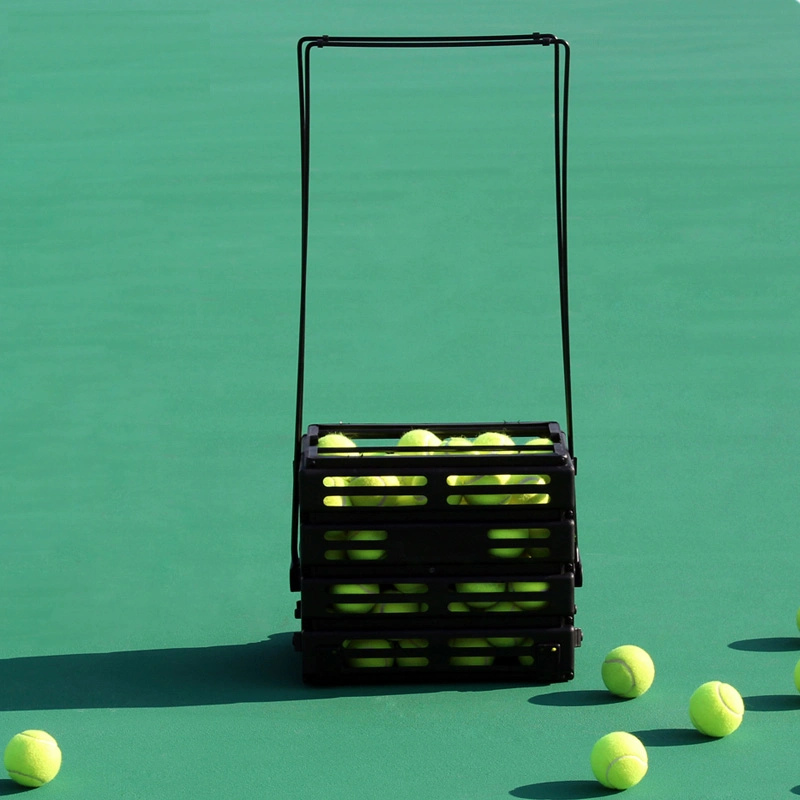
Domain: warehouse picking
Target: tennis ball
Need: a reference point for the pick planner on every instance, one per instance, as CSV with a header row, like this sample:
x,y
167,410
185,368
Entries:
x,y
526,660
411,588
504,607
366,536
492,439
797,676
476,588
336,500
539,440
335,536
716,709
419,438
456,441
798,619
369,644
32,758
504,641
619,760
374,499
628,671
412,661
529,586
354,607
458,608
396,605
507,552
337,441
525,496
472,660
484,480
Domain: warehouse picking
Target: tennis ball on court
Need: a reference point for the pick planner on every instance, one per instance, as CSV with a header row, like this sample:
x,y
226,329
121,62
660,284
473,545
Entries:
x,y
336,440
505,551
524,496
529,586
480,588
628,671
376,481
619,760
412,661
370,644
492,439
32,758
484,480
354,607
716,709
366,536
471,660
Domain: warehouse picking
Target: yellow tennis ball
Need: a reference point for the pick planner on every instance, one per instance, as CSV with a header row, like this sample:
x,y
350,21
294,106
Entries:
x,y
480,588
397,603
354,606
524,496
505,551
539,440
504,641
471,660
336,441
458,607
335,536
370,644
619,760
366,536
628,671
32,758
419,438
798,619
413,661
716,709
335,500
411,588
456,441
797,676
484,480
377,481
526,660
492,439
529,586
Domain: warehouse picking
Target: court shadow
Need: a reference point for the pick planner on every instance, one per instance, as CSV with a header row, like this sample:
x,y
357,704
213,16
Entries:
x,y
670,737
772,644
562,790
795,790
258,672
580,697
9,787
772,702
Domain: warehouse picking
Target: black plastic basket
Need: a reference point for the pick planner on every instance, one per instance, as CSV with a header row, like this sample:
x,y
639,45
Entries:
x,y
483,572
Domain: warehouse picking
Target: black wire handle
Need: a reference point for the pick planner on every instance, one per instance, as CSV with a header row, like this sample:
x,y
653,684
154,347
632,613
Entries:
x,y
561,95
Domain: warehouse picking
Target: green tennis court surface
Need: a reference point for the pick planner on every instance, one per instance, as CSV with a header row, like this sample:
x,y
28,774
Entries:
x,y
149,290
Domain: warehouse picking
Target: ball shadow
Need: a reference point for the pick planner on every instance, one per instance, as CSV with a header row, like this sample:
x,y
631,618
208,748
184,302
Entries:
x,y
772,702
562,790
8,787
774,644
670,737
580,697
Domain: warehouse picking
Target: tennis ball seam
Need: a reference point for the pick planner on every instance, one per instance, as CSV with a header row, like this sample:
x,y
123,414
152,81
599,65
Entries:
x,y
13,772
616,761
722,700
624,664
